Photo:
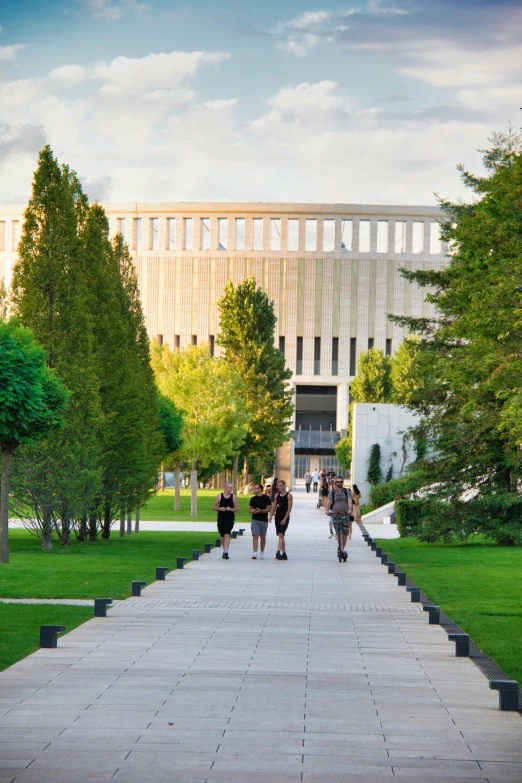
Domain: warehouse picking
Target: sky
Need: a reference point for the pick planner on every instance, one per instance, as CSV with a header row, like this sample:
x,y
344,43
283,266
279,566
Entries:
x,y
371,102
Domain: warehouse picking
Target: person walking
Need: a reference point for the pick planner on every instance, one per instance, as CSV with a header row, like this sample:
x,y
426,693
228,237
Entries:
x,y
308,480
260,506
323,488
356,499
226,506
315,478
339,503
281,508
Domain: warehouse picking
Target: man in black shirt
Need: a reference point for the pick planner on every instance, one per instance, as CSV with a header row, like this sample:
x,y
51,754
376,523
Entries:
x,y
259,507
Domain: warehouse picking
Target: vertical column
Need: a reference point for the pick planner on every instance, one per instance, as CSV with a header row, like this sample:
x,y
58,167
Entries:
x,y
363,305
342,406
380,304
185,314
326,317
345,314
203,296
308,313
398,304
169,301
291,312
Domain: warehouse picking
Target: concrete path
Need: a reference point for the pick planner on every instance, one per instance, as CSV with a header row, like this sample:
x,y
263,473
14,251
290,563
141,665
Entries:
x,y
258,672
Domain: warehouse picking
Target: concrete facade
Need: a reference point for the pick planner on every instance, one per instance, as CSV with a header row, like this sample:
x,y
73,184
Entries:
x,y
332,271
383,424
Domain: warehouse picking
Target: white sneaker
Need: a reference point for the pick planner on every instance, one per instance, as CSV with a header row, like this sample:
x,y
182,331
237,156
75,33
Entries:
x,y
254,556
262,555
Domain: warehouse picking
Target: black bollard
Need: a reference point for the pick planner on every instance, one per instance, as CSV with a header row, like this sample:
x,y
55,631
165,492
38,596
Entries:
x,y
241,531
136,588
391,567
374,546
49,635
461,644
100,606
218,542
180,562
378,551
234,534
384,559
508,694
196,553
415,594
208,548
160,573
434,614
369,540
401,578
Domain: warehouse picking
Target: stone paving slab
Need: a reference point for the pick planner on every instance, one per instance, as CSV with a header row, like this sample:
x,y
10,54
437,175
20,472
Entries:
x,y
308,670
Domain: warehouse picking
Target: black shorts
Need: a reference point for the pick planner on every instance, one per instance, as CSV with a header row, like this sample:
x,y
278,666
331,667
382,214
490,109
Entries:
x,y
281,529
225,528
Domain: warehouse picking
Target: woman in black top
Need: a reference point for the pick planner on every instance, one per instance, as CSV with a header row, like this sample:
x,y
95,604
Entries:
x,y
281,508
225,504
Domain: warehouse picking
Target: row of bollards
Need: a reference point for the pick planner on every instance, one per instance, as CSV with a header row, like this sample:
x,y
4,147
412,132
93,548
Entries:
x,y
508,689
49,633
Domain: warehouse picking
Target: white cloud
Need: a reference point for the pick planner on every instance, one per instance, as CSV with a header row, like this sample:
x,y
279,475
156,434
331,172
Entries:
x,y
109,11
8,53
69,75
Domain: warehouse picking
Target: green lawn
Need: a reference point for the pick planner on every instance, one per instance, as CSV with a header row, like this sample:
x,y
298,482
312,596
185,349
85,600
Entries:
x,y
102,569
20,627
478,585
160,507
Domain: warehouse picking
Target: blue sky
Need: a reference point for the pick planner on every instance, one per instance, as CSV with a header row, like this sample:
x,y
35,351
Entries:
x,y
371,102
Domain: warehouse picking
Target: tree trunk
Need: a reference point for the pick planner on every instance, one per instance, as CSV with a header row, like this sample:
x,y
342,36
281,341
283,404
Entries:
x,y
82,530
245,471
122,521
177,496
93,529
129,522
162,478
234,474
65,535
194,493
137,521
47,531
4,507
106,526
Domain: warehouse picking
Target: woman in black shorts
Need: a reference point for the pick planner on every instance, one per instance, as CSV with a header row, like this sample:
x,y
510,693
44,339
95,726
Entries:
x,y
281,508
225,504
325,489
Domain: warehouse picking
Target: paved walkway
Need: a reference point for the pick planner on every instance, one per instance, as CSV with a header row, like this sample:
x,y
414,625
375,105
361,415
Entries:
x,y
258,672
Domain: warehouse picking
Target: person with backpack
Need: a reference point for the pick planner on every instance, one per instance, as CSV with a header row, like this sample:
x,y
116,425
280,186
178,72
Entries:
x,y
339,506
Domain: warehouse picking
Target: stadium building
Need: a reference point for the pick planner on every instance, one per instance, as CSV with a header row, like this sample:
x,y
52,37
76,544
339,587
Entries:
x,y
332,270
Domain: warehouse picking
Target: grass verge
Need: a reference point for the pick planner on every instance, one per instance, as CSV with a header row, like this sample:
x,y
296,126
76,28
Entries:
x,y
477,584
100,569
20,627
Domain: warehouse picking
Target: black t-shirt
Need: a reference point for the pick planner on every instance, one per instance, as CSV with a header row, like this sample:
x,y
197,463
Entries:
x,y
331,474
261,502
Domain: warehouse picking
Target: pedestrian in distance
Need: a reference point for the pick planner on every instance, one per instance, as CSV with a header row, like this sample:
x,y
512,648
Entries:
x,y
308,480
273,488
226,506
339,505
324,489
330,473
356,499
280,511
260,506
315,479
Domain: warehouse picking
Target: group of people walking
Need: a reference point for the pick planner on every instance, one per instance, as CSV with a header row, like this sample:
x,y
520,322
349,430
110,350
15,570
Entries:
x,y
339,503
264,508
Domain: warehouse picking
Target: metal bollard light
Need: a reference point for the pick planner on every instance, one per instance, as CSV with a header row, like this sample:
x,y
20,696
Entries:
x,y
160,572
180,562
401,578
241,531
391,567
49,635
415,594
378,551
384,559
234,534
461,644
369,540
208,548
508,694
196,553
434,614
136,588
374,546
100,606
218,542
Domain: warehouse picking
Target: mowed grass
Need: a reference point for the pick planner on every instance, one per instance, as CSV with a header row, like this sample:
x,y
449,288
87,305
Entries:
x,y
20,627
101,569
477,584
160,508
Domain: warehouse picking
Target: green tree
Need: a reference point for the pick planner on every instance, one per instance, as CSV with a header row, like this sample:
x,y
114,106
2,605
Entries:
x,y
373,380
343,452
210,396
32,402
470,402
407,371
247,328
374,465
171,424
59,476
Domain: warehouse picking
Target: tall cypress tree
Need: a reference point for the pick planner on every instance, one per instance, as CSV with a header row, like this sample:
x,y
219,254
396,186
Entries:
x,y
60,476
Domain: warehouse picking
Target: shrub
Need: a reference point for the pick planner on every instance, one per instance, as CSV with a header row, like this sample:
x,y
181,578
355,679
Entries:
x,y
374,465
385,493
